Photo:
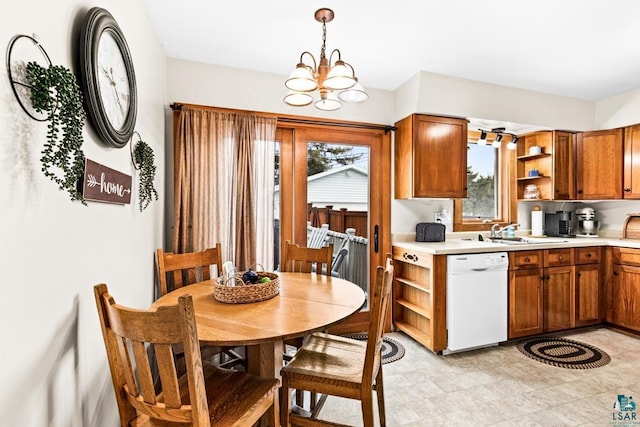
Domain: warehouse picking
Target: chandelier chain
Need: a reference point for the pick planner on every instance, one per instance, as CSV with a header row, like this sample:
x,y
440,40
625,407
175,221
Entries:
x,y
324,38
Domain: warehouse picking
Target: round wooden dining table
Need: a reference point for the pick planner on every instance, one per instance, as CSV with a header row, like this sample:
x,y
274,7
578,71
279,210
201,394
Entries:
x,y
307,303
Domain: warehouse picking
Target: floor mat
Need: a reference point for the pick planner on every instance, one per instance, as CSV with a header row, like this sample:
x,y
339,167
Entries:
x,y
564,353
392,350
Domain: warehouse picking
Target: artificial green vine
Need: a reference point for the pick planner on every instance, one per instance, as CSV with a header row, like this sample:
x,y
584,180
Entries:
x,y
55,91
143,157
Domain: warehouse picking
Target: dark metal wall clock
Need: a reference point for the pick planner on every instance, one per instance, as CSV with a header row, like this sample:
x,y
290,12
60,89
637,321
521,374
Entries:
x,y
107,77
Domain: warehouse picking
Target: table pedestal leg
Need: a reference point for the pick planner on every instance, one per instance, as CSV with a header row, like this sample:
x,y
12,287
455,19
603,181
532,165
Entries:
x,y
265,360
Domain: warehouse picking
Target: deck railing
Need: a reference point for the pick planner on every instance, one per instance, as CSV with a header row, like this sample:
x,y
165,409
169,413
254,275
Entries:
x,y
355,266
338,219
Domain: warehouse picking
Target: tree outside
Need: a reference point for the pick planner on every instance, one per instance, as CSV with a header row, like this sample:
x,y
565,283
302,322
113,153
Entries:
x,y
481,196
321,157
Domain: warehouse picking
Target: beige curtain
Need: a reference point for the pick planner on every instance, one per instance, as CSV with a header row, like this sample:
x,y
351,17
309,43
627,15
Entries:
x,y
217,196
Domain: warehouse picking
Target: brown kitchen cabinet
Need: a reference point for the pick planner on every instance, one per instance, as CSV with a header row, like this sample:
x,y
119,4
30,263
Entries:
x,y
632,162
588,285
555,164
525,294
623,302
559,289
430,157
599,164
419,297
554,289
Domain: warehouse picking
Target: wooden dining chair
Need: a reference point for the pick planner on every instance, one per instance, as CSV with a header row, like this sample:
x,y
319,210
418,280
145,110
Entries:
x,y
205,396
178,270
306,260
339,366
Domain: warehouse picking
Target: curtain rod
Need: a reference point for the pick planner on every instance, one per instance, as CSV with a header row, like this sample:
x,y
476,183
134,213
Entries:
x,y
297,120
385,128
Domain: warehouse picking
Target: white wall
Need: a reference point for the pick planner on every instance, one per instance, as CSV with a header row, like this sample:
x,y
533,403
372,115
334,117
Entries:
x,y
452,96
54,251
196,83
619,110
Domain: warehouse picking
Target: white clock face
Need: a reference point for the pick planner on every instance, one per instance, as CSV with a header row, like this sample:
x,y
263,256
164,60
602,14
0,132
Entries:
x,y
113,80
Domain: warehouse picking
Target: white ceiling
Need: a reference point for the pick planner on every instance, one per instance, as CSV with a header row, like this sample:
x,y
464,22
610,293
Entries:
x,y
587,49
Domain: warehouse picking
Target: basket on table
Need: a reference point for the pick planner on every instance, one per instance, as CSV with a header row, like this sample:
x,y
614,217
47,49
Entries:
x,y
242,293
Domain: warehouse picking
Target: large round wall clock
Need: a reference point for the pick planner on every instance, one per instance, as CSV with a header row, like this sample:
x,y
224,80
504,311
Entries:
x,y
107,78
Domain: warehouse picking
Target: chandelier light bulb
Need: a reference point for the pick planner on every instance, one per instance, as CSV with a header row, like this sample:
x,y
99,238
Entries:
x,y
301,79
355,93
328,103
298,99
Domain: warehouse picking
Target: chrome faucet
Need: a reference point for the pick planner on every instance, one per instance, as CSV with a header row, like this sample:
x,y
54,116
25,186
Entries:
x,y
498,233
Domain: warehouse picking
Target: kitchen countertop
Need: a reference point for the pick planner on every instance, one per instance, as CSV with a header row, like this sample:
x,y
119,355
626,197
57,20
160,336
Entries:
x,y
461,245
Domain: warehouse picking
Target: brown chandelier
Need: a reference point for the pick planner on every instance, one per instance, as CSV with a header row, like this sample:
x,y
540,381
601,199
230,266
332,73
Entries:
x,y
336,81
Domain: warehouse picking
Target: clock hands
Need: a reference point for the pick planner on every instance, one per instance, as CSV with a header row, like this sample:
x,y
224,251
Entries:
x,y
112,83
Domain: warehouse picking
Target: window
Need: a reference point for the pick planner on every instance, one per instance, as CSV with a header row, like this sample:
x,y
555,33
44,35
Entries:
x,y
482,202
488,187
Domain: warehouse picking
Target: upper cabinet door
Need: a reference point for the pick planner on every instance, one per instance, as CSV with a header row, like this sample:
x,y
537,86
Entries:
x,y
632,162
599,156
431,157
564,182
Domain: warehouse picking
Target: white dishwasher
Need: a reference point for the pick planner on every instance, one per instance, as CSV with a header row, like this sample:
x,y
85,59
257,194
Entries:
x,y
476,300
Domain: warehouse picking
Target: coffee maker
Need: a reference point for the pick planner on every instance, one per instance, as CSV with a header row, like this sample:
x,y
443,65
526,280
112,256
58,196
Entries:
x,y
558,224
588,226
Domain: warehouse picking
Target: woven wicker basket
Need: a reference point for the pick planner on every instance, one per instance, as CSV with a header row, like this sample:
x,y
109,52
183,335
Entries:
x,y
242,294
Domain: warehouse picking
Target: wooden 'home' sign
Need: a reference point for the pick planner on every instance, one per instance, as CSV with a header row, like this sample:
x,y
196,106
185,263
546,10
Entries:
x,y
103,184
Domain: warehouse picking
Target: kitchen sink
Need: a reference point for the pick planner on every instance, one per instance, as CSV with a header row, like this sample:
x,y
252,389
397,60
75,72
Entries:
x,y
508,240
524,240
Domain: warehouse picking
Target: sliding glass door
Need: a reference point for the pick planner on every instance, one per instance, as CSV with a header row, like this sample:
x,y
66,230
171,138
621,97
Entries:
x,y
333,186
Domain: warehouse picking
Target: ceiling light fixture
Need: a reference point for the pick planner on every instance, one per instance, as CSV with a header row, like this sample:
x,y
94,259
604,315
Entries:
x,y
483,138
500,133
497,141
335,81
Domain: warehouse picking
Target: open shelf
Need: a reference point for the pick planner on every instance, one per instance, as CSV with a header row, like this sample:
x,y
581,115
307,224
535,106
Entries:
x,y
413,284
533,156
422,311
415,333
529,178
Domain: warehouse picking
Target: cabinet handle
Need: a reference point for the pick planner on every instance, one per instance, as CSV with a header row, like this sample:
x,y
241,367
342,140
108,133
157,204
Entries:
x,y
615,273
527,259
588,255
579,191
560,258
579,274
410,257
627,190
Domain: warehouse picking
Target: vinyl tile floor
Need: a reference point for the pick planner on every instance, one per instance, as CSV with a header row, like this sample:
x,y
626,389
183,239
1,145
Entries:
x,y
499,386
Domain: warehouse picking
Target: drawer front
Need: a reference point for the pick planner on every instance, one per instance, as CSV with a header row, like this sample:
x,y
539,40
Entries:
x,y
626,256
413,257
588,255
558,257
525,259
